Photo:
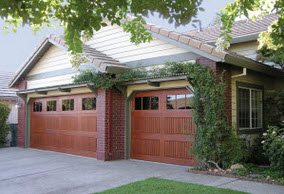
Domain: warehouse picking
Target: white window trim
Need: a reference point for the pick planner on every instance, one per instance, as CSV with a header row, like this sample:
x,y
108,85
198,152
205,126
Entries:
x,y
250,109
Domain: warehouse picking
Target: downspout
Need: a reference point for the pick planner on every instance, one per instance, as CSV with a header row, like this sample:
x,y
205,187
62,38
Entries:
x,y
27,120
244,73
109,123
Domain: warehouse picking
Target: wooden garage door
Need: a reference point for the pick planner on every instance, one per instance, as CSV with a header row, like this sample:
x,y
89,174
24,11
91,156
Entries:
x,y
55,126
162,126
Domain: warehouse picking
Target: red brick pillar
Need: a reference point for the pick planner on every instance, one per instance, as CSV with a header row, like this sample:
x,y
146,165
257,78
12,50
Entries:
x,y
221,69
22,115
225,71
207,63
110,125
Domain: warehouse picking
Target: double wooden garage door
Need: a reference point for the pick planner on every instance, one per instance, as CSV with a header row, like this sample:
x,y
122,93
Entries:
x,y
162,126
64,124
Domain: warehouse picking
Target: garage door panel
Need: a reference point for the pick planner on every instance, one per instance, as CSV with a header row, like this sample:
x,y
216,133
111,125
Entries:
x,y
72,132
66,141
37,123
178,125
68,122
177,149
88,123
148,147
163,134
51,122
146,124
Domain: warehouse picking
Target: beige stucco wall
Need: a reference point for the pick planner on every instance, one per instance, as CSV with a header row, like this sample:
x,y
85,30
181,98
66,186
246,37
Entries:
x,y
247,49
163,85
81,90
268,83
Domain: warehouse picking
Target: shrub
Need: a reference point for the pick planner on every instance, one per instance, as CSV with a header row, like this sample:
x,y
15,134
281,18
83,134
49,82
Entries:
x,y
274,108
4,113
255,153
273,145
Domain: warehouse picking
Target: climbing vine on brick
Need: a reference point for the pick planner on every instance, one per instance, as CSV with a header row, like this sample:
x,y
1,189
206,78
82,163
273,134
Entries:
x,y
215,141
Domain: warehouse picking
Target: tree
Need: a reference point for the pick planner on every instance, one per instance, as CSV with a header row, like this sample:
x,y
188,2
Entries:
x,y
80,18
271,42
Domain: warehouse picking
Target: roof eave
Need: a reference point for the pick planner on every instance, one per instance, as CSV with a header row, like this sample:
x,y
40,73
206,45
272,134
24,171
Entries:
x,y
253,65
35,56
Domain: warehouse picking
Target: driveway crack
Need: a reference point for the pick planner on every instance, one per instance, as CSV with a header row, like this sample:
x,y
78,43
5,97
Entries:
x,y
31,174
227,182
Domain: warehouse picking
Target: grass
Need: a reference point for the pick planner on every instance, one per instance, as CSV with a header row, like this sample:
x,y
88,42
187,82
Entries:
x,y
261,172
162,186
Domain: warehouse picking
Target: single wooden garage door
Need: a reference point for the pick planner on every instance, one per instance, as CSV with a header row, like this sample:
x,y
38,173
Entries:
x,y
65,124
162,126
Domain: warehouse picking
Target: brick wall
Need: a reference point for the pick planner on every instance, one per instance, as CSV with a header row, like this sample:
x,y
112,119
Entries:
x,y
21,115
110,125
207,63
225,70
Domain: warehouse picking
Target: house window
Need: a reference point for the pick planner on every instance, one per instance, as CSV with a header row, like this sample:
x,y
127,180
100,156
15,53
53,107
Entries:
x,y
37,106
89,104
68,105
147,103
51,105
180,101
249,108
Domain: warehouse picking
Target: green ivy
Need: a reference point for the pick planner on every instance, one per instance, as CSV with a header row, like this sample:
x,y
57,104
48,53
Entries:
x,y
215,140
4,113
274,108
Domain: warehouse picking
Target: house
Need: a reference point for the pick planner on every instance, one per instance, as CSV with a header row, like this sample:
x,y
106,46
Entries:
x,y
9,96
149,119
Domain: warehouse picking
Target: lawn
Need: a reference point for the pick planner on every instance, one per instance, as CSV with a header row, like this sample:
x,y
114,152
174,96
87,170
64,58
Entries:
x,y
162,186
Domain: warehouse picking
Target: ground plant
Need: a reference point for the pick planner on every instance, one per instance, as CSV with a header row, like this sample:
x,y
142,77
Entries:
x,y
273,144
4,113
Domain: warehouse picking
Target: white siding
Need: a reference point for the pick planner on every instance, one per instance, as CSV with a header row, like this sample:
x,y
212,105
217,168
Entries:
x,y
54,59
247,49
112,41
53,81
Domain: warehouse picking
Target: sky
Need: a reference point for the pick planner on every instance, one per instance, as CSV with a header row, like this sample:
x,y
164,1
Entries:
x,y
16,48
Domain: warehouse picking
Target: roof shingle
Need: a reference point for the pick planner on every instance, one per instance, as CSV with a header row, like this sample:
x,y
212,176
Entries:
x,y
240,28
5,91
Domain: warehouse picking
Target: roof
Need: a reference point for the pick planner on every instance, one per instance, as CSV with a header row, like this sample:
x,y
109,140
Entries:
x,y
205,49
102,62
242,28
194,42
5,91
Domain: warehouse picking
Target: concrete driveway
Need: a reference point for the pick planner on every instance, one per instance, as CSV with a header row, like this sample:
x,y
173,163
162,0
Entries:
x,y
35,171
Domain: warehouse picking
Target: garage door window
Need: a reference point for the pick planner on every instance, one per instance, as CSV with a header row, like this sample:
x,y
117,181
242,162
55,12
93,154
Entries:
x,y
37,106
89,104
180,101
147,103
51,105
68,105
